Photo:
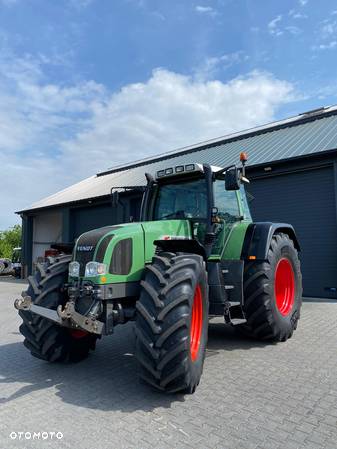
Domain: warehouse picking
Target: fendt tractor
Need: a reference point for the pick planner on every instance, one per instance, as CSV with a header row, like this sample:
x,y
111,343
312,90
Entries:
x,y
195,254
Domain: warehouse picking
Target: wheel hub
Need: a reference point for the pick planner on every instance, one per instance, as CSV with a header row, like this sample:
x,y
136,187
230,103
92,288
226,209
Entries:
x,y
77,333
196,324
284,286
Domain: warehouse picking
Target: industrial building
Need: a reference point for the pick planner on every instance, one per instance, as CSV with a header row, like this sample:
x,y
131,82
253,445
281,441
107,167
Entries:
x,y
293,171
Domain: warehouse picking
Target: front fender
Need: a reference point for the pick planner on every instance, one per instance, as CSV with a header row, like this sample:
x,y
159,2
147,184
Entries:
x,y
258,238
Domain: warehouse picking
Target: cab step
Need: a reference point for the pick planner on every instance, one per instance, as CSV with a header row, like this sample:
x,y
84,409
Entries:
x,y
234,313
238,321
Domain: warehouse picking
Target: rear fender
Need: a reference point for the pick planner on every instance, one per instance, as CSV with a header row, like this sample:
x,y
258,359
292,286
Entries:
x,y
258,238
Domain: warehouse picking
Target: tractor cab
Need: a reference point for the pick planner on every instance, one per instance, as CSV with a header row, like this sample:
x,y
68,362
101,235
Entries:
x,y
210,198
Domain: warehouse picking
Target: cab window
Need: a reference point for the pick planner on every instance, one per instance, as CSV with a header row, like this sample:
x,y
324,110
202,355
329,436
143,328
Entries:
x,y
245,206
181,200
226,202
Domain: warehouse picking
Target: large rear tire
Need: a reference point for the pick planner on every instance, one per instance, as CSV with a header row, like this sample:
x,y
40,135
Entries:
x,y
172,322
273,292
45,339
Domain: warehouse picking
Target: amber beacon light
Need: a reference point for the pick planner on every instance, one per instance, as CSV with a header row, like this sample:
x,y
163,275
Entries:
x,y
243,160
243,157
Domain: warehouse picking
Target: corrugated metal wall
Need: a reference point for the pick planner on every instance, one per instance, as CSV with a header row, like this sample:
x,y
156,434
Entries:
x,y
307,201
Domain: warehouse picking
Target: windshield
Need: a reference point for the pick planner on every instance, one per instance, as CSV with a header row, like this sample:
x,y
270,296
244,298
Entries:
x,y
181,200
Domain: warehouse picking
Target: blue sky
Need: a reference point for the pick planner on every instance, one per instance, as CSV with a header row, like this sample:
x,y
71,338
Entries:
x,y
86,84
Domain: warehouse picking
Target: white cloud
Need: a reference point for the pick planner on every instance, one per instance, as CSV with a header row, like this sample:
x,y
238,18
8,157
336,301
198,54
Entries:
x,y
171,110
327,36
275,29
35,117
329,46
205,10
210,67
328,28
137,3
300,16
297,15
303,2
80,3
52,136
36,107
328,91
273,26
293,29
158,15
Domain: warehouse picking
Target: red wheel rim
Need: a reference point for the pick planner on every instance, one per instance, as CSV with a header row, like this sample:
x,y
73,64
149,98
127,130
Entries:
x,y
77,333
196,324
284,286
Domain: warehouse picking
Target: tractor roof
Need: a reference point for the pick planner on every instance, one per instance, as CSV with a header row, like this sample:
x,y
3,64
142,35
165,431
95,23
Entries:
x,y
183,170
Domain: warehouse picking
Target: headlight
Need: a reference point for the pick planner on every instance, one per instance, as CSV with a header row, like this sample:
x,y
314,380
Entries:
x,y
95,269
74,269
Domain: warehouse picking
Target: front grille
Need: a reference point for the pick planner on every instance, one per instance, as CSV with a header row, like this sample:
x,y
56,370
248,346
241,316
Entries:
x,y
121,260
86,246
103,247
83,258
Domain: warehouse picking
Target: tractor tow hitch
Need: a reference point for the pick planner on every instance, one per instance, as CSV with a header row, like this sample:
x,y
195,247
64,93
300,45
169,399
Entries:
x,y
66,317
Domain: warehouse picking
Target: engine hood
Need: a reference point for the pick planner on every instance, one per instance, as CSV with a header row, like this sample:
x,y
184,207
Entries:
x,y
125,248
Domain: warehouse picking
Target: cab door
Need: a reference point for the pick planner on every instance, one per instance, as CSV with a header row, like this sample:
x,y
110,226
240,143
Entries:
x,y
228,214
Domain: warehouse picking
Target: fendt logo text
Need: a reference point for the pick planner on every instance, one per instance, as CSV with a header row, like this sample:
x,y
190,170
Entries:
x,y
85,248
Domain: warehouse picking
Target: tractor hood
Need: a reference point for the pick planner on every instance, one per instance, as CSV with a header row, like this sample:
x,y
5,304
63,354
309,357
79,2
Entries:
x,y
125,248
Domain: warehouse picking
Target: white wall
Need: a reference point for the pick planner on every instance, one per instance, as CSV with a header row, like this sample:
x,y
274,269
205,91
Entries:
x,y
47,229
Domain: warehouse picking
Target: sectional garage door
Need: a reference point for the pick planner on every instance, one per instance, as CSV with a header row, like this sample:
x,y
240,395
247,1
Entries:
x,y
85,219
88,218
307,201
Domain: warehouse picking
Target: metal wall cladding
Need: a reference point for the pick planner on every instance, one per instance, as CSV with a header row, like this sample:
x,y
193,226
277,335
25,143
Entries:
x,y
267,145
307,201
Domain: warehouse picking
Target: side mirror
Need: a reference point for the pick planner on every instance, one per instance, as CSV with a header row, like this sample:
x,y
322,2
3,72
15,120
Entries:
x,y
232,179
115,198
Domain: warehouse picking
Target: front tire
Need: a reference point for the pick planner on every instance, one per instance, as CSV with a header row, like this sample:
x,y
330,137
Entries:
x,y
273,292
172,322
45,339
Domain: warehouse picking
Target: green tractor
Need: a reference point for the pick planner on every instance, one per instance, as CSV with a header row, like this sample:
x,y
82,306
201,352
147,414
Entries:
x,y
195,254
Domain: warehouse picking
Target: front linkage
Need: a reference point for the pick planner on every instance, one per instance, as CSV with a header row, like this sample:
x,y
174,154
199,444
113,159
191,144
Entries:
x,y
88,308
66,317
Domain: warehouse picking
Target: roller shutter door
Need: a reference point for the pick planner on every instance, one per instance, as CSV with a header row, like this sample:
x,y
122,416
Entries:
x,y
307,201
